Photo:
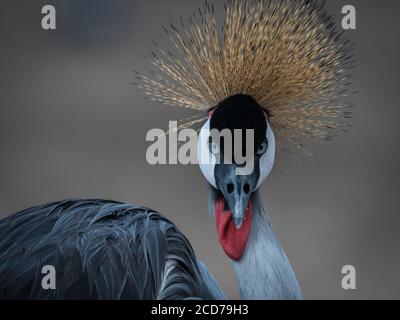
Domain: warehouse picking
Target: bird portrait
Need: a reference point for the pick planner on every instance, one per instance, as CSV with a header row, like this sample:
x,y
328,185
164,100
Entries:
x,y
279,69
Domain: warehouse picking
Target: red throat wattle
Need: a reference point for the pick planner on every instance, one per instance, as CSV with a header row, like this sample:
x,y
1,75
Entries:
x,y
232,240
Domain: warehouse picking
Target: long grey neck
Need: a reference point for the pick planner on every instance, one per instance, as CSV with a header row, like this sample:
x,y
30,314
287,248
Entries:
x,y
264,271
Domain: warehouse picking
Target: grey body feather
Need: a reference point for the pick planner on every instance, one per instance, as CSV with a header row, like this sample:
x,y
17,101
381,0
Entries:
x,y
100,250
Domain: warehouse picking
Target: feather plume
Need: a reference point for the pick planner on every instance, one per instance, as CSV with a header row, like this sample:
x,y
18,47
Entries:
x,y
288,55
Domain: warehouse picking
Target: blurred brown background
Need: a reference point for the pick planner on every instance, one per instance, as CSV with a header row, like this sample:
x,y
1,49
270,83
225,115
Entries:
x,y
71,125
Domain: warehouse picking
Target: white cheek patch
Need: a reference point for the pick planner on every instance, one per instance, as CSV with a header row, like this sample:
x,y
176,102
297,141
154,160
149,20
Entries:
x,y
268,158
205,158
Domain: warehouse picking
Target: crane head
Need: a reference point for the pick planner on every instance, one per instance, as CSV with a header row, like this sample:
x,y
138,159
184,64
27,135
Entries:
x,y
236,152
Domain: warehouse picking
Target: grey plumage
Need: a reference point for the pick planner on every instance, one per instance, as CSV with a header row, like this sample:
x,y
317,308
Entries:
x,y
100,250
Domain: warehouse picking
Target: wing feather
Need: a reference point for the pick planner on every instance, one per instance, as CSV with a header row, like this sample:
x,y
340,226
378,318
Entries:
x,y
100,250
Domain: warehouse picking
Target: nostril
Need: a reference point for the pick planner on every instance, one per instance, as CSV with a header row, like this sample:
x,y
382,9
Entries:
x,y
246,188
230,187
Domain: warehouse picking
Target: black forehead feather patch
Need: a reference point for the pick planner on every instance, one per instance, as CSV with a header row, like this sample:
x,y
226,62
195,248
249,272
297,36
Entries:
x,y
240,112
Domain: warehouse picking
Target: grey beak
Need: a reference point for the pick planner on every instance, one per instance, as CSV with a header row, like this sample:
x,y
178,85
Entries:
x,y
237,192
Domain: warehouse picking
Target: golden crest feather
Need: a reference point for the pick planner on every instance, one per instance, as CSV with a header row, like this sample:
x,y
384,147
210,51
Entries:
x,y
286,54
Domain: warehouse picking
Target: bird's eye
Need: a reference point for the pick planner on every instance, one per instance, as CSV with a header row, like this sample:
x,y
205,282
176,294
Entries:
x,y
214,148
263,147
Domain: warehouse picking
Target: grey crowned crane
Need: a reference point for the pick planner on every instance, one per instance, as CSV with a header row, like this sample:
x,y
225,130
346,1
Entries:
x,y
279,68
